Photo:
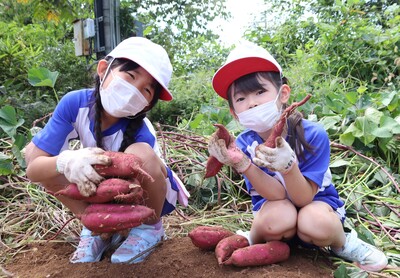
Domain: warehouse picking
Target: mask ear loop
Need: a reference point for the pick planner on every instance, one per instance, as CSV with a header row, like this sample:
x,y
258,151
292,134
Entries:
x,y
107,71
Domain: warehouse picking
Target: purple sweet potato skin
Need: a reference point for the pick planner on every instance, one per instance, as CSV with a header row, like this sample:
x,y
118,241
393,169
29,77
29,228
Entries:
x,y
228,245
207,237
260,254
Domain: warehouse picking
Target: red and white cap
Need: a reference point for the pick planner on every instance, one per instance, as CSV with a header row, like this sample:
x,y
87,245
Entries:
x,y
150,56
246,58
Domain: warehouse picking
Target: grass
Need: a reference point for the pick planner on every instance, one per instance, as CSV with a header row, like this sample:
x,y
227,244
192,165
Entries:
x,y
29,214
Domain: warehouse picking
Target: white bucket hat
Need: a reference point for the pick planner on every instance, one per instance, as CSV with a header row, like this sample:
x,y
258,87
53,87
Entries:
x,y
150,56
246,58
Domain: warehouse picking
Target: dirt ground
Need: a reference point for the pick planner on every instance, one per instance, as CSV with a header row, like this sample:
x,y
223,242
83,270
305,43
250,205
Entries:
x,y
176,257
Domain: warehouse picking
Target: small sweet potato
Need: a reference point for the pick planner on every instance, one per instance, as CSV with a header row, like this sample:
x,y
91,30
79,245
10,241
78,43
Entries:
x,y
108,218
213,166
207,237
228,245
260,254
123,165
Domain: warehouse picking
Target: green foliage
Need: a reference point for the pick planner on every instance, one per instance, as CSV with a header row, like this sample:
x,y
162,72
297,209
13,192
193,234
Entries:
x,y
11,126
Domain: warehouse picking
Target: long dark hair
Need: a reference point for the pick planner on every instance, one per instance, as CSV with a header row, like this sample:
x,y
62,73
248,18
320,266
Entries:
x,y
135,122
250,83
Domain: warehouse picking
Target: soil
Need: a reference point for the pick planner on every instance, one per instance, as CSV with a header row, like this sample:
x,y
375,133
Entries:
x,y
175,257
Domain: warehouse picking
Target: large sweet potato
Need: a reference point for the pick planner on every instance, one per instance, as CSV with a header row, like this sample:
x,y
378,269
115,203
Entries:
x,y
108,218
123,165
207,237
259,254
228,245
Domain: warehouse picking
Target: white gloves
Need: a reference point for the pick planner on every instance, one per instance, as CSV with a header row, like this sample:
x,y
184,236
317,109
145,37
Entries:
x,y
280,159
76,165
229,155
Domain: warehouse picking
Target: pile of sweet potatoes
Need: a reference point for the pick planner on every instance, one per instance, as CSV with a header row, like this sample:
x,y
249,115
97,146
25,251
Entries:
x,y
117,204
234,249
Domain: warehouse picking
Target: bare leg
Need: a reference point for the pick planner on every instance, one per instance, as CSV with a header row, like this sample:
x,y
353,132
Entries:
x,y
154,191
319,224
276,220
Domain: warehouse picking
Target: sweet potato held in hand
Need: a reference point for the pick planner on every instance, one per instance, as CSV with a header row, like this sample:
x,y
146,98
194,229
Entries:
x,y
280,124
123,165
207,237
260,254
109,218
109,190
213,165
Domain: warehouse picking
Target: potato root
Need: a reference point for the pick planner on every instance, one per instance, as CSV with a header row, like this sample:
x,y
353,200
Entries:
x,y
228,245
260,254
207,237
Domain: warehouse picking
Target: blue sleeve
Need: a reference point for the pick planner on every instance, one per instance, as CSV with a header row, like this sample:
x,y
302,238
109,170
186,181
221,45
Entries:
x,y
53,136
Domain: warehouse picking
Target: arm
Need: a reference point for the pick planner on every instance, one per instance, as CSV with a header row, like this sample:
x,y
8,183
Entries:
x,y
283,159
265,185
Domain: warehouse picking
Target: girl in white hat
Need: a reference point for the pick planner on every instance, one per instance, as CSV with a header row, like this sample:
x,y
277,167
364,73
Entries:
x,y
291,185
111,116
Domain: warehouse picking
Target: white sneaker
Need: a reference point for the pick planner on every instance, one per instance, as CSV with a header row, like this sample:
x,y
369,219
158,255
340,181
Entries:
x,y
364,255
90,248
139,244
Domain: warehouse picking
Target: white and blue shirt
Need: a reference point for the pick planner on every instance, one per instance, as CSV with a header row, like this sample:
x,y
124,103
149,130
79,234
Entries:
x,y
73,119
314,167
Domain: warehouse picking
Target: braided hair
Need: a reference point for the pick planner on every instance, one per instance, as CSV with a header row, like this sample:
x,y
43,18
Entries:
x,y
250,83
135,121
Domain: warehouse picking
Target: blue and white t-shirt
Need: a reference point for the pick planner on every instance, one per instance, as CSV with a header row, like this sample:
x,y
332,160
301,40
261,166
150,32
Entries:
x,y
314,167
74,117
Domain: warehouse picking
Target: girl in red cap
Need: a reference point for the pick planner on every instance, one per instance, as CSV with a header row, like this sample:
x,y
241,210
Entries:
x,y
111,116
290,185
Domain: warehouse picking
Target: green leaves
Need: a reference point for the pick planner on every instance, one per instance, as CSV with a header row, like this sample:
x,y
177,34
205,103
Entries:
x,y
372,125
42,77
8,121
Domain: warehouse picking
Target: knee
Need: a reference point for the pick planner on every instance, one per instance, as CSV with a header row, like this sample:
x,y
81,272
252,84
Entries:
x,y
277,220
143,151
313,223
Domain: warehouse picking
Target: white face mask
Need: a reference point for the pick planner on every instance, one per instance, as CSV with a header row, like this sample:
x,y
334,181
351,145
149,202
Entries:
x,y
262,117
122,99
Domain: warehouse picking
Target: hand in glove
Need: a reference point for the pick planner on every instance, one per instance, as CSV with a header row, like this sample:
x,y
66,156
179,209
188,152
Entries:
x,y
76,165
229,155
280,159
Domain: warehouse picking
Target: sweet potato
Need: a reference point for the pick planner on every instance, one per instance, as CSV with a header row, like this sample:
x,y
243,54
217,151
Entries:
x,y
207,237
107,191
108,218
280,124
228,245
213,166
260,254
123,165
